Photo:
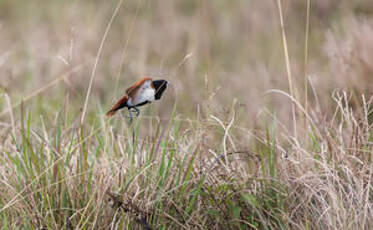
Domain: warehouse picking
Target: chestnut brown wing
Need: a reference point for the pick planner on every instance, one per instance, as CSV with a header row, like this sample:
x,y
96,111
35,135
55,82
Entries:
x,y
120,104
132,90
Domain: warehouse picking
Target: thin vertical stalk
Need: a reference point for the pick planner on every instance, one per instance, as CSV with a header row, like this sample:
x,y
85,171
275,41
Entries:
x,y
306,61
287,61
98,58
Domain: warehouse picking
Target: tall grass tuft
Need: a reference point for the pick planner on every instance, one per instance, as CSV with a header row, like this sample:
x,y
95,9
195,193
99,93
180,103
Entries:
x,y
69,177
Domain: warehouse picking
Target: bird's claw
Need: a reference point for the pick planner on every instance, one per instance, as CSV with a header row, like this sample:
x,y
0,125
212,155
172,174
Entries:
x,y
131,112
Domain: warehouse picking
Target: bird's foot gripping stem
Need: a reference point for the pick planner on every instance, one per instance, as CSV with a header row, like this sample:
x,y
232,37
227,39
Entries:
x,y
133,113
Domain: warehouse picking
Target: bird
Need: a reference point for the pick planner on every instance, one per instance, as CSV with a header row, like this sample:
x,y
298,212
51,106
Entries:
x,y
140,93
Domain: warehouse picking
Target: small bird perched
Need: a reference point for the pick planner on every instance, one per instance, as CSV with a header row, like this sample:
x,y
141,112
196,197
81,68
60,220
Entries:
x,y
141,93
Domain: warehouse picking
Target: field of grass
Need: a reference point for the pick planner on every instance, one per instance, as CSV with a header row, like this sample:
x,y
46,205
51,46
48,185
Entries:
x,y
267,123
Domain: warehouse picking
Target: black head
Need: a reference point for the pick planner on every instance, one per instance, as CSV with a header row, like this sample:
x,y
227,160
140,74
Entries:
x,y
159,86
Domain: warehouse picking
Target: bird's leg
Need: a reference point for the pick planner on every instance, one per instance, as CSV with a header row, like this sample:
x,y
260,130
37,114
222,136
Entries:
x,y
137,111
130,117
131,114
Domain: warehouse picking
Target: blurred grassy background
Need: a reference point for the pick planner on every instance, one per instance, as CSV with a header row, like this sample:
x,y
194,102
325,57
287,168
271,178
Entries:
x,y
235,45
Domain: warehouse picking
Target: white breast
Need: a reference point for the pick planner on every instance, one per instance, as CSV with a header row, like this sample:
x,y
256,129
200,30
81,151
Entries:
x,y
146,93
